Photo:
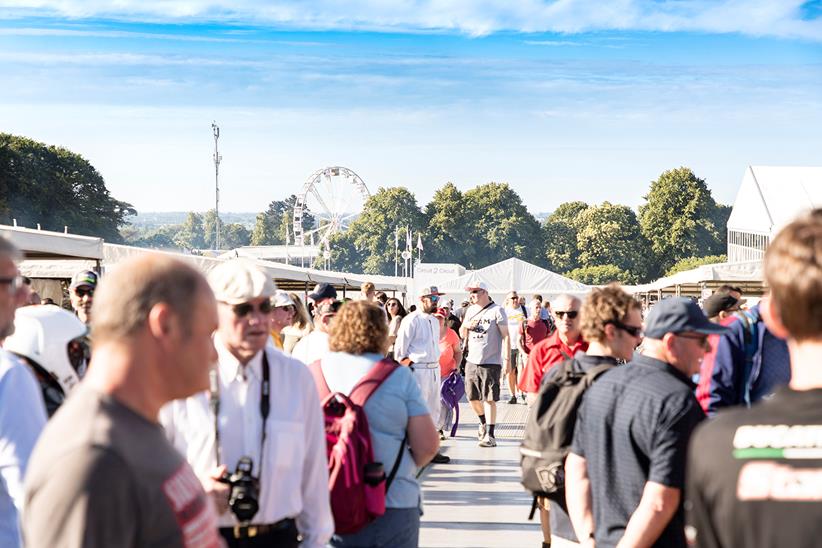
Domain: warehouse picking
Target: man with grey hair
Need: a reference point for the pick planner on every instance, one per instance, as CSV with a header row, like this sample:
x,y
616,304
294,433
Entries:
x,y
22,411
103,473
627,459
261,414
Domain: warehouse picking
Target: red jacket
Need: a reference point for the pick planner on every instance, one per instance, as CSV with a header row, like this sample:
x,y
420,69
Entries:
x,y
545,355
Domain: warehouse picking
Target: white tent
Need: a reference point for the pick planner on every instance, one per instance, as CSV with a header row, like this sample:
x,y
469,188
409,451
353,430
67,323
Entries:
x,y
515,274
749,271
769,197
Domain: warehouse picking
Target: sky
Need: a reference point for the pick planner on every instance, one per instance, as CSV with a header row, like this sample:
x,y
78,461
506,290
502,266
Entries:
x,y
563,100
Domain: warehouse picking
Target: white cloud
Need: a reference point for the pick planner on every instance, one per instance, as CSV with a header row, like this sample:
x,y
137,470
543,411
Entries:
x,y
753,17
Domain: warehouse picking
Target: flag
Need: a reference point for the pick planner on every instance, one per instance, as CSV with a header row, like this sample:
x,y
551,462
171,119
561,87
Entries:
x,y
419,242
408,239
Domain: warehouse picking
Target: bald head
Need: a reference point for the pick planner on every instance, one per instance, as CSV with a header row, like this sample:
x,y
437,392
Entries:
x,y
126,296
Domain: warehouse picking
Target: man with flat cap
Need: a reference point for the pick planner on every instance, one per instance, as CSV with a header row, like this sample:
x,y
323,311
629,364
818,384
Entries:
x,y
627,460
418,346
261,411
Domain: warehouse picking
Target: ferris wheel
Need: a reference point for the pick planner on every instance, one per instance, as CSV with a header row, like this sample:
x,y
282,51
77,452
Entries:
x,y
334,196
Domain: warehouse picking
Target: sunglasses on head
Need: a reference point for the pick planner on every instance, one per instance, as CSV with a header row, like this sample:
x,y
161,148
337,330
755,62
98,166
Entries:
x,y
244,309
570,313
83,291
632,330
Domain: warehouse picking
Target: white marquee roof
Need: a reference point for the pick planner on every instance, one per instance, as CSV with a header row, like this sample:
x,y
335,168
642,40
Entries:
x,y
772,196
749,271
518,275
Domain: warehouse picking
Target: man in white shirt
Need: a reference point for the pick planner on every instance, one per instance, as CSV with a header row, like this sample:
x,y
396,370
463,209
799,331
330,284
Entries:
x,y
417,346
262,406
22,412
314,346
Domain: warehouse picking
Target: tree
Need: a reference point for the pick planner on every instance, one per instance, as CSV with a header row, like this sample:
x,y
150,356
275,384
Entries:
x,y
600,275
372,234
273,224
209,232
448,227
56,188
559,232
235,235
501,226
693,262
681,219
610,234
191,234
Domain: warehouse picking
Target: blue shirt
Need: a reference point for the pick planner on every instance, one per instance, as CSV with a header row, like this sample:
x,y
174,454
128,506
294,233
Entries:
x,y
388,410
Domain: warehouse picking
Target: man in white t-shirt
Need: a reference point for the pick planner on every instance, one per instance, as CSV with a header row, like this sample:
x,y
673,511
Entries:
x,y
516,314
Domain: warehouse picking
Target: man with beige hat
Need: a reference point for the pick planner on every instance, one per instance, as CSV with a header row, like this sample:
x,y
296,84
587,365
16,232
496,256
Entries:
x,y
418,346
262,415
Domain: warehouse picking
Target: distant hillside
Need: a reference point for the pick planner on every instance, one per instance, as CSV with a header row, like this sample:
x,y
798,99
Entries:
x,y
157,219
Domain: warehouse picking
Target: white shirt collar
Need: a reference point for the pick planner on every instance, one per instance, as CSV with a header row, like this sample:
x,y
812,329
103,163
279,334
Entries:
x,y
230,367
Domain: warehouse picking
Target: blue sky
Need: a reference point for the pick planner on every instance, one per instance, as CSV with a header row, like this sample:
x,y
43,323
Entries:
x,y
563,100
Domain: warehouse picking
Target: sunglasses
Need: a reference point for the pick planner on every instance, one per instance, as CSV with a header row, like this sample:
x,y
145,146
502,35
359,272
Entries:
x,y
434,298
287,308
84,291
14,283
702,339
475,291
632,330
572,314
244,309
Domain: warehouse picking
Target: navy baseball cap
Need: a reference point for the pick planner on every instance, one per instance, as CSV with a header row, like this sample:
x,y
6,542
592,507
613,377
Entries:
x,y
323,291
679,315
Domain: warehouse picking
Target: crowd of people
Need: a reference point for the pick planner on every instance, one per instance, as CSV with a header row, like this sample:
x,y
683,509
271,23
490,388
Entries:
x,y
169,408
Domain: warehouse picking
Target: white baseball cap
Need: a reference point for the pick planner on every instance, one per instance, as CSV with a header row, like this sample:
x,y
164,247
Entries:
x,y
477,285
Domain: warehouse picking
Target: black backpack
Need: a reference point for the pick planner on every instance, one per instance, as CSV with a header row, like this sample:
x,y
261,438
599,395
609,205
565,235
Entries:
x,y
550,430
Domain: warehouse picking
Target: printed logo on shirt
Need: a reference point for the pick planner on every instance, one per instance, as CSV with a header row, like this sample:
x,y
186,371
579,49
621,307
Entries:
x,y
195,516
779,441
768,480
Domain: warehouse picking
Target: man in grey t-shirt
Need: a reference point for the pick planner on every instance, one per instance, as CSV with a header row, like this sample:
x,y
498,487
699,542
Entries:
x,y
485,331
103,473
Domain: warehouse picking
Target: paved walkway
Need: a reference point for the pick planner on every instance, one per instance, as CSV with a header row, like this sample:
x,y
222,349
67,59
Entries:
x,y
477,500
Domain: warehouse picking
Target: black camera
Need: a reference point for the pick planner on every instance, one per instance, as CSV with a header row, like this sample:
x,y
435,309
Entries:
x,y
243,496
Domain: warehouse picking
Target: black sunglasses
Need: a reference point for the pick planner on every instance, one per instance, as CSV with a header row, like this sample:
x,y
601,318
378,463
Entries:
x,y
570,313
83,291
244,309
632,330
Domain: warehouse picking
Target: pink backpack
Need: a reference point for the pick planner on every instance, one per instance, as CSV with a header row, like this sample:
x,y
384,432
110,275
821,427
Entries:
x,y
357,483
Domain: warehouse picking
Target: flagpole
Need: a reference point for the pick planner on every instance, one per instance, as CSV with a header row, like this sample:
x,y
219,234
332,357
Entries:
x,y
396,249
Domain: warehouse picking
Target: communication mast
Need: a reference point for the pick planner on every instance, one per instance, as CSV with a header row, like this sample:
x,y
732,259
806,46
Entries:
x,y
217,159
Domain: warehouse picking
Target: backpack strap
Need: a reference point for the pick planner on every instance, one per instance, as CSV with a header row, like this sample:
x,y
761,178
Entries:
x,y
750,338
372,380
319,380
397,461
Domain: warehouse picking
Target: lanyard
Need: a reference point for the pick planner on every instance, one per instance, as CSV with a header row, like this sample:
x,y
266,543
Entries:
x,y
265,408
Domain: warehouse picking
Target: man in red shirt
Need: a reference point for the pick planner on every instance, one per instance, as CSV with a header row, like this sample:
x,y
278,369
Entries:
x,y
531,332
561,345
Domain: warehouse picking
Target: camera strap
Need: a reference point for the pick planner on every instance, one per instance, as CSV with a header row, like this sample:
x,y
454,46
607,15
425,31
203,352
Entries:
x,y
265,407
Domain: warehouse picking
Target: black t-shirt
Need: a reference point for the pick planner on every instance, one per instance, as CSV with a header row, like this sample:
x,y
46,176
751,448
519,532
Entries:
x,y
633,427
755,475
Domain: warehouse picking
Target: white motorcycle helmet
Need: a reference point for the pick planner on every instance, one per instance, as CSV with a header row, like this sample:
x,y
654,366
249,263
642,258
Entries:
x,y
52,338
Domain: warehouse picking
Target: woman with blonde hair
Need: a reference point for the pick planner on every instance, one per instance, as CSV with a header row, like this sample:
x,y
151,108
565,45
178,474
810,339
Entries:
x,y
396,411
300,325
